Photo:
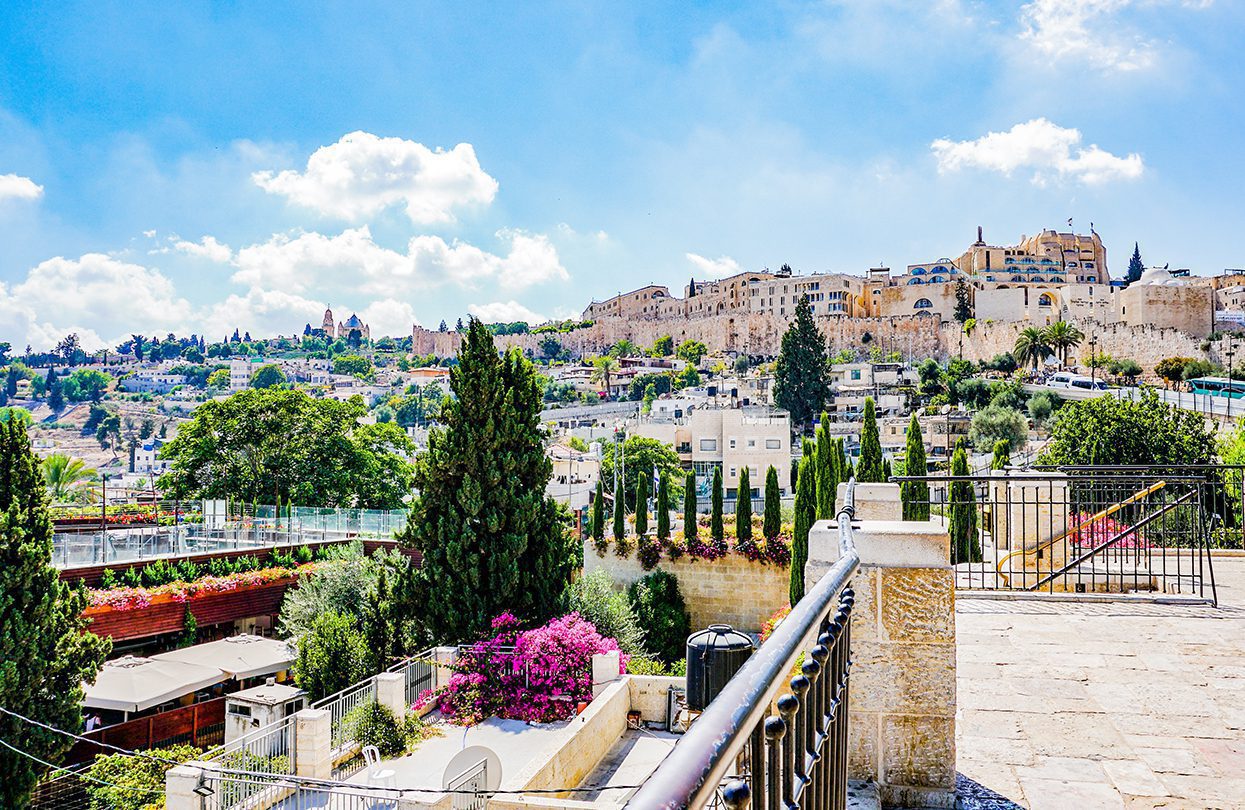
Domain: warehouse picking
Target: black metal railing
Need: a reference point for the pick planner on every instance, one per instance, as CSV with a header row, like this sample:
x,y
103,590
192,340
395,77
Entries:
x,y
1087,529
739,752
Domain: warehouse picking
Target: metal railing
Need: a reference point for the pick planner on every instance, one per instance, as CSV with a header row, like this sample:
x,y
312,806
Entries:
x,y
289,794
263,755
738,751
1114,530
419,674
340,705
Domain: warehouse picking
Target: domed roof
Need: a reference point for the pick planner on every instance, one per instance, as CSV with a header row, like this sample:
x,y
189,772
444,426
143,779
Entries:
x,y
353,321
1159,276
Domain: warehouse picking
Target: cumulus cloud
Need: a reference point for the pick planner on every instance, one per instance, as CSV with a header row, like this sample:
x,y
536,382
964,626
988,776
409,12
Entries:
x,y
206,248
363,174
16,187
261,312
721,267
1046,149
505,312
389,317
1090,32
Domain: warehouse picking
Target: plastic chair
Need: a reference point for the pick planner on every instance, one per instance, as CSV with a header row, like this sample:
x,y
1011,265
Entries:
x,y
375,775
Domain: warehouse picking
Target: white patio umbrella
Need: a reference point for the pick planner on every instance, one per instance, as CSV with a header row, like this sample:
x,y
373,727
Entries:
x,y
133,684
244,656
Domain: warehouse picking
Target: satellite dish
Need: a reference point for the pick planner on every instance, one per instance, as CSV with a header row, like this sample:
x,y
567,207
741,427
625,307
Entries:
x,y
467,762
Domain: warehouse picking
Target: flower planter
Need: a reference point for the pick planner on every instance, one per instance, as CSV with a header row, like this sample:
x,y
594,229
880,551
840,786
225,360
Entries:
x,y
165,613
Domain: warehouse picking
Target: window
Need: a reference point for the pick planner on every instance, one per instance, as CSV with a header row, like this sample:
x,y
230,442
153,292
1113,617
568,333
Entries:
x,y
734,472
921,303
1046,300
856,372
752,442
732,444
709,444
773,444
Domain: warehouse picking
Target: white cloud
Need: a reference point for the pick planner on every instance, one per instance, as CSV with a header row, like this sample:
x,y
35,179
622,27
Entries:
x,y
261,312
505,312
16,187
1090,32
389,317
720,267
206,248
363,174
1041,146
313,259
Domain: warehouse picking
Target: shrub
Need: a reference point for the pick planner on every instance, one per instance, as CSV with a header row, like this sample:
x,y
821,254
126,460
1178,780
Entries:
x,y
109,579
645,666
330,657
648,552
661,611
594,598
124,782
373,724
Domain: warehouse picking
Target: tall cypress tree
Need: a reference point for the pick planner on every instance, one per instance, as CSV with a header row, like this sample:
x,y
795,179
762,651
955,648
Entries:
x,y
663,508
1002,457
1135,266
962,519
492,540
827,480
915,494
801,384
596,528
45,657
641,504
690,527
620,512
805,516
716,531
56,394
743,507
869,469
772,523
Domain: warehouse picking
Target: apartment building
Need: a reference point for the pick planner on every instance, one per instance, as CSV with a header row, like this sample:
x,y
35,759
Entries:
x,y
940,433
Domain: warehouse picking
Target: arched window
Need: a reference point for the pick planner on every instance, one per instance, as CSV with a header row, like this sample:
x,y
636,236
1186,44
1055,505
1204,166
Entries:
x,y
940,269
918,271
1018,278
912,281
922,303
937,280
1046,300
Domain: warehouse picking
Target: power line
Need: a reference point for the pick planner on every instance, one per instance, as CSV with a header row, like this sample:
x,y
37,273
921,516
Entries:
x,y
60,769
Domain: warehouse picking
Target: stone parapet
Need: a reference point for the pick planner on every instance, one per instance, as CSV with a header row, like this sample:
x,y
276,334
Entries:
x,y
313,744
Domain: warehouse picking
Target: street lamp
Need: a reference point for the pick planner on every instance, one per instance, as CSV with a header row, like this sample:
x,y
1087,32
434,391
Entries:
x,y
1231,352
1093,362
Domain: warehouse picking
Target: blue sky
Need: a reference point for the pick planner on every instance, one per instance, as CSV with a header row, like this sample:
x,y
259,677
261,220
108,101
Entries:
x,y
196,167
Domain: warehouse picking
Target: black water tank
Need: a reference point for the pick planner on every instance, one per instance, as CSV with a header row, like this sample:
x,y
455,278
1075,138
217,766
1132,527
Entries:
x,y
713,658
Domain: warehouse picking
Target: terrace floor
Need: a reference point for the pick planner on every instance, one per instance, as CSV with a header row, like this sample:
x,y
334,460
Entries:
x,y
1105,704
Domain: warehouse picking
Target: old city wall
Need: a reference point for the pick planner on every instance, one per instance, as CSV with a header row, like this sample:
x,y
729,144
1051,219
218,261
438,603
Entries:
x,y
1145,344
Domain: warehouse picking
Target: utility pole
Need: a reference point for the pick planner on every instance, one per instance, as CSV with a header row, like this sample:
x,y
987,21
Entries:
x,y
1093,363
1231,393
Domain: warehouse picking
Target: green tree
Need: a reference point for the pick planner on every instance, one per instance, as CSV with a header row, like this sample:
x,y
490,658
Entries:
x,y
691,352
491,538
1126,368
218,378
915,494
620,513
268,376
1135,267
66,477
641,504
995,423
1031,347
869,468
125,782
86,385
962,512
717,532
772,522
602,368
597,530
641,456
663,346
660,610
827,477
1041,405
690,527
46,655
800,380
354,365
1062,337
805,517
594,597
56,395
743,507
963,301
1002,457
331,656
1171,369
1146,432
663,507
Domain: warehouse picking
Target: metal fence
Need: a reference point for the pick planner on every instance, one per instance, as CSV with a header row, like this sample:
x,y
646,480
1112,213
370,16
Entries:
x,y
263,755
284,793
739,752
146,544
1086,529
340,705
419,674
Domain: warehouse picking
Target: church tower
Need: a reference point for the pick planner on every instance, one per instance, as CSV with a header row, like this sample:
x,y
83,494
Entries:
x,y
327,324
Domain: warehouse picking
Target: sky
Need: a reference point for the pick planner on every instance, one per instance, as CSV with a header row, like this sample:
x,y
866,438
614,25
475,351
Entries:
x,y
199,167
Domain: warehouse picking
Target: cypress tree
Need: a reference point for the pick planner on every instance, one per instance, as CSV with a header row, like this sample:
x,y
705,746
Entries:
x,y
620,512
772,525
45,657
1135,266
492,540
743,507
1002,458
716,532
598,513
915,494
800,380
869,470
663,508
641,504
827,480
962,520
690,528
886,469
805,516
56,394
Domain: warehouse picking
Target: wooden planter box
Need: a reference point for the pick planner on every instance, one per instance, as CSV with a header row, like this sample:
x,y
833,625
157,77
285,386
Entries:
x,y
164,615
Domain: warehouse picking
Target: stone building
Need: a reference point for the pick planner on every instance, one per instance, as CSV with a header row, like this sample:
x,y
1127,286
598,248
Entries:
x,y
1047,258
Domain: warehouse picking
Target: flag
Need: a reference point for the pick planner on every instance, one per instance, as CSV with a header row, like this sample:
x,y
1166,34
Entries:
x,y
1069,222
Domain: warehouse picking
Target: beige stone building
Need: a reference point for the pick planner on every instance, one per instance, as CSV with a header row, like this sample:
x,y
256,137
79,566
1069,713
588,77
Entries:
x,y
828,294
1049,257
939,432
642,303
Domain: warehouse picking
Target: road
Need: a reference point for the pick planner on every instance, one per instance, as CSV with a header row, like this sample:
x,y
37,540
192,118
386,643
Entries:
x,y
1221,408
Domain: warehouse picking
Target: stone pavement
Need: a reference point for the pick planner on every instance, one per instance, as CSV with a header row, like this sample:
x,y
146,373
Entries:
x,y
1070,705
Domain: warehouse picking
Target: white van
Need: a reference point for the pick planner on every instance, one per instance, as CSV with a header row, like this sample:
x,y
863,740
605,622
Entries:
x,y
1066,379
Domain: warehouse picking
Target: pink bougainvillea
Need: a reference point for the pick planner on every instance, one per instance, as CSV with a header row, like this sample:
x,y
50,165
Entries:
x,y
125,598
1091,534
535,675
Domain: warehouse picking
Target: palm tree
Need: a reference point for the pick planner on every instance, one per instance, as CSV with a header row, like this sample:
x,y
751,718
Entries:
x,y
1062,336
602,367
65,476
1031,347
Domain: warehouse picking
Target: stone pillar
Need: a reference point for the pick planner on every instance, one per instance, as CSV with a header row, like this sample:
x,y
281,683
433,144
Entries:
x,y
391,693
902,723
445,657
180,782
313,744
873,501
604,671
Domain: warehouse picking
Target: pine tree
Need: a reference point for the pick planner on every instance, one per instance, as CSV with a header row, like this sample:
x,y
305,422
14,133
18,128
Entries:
x,y
597,529
492,540
827,480
663,508
690,528
641,505
962,519
772,524
805,516
45,657
743,507
1135,266
800,380
716,531
915,494
869,469
620,512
